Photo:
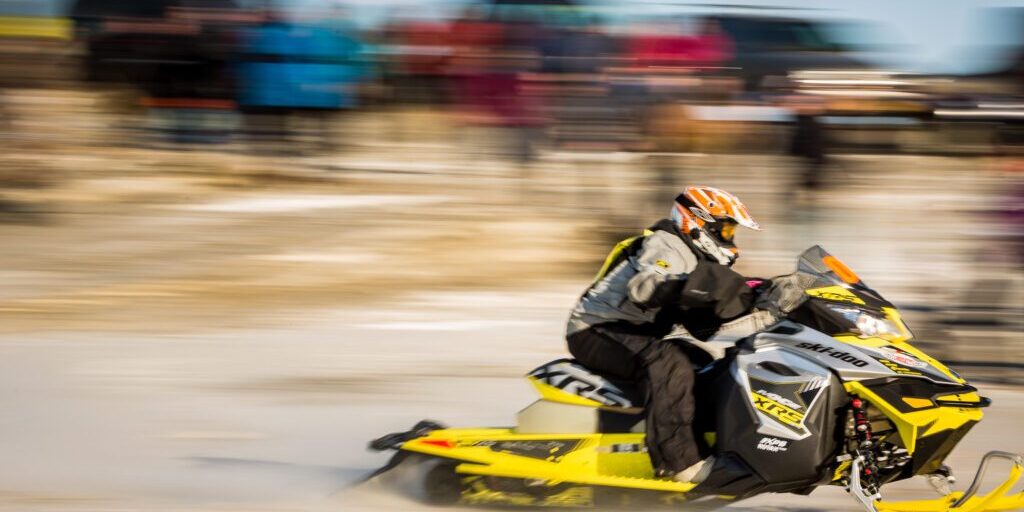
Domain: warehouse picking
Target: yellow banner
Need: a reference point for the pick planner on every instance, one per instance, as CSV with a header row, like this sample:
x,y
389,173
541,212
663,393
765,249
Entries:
x,y
35,27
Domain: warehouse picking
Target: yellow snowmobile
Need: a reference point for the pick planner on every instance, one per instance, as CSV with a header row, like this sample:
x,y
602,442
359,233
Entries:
x,y
830,392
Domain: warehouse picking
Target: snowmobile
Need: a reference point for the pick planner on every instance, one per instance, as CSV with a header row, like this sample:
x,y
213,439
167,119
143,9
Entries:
x,y
830,391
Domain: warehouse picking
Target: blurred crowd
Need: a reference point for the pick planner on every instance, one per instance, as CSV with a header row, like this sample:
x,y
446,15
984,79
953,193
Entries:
x,y
541,75
537,76
549,72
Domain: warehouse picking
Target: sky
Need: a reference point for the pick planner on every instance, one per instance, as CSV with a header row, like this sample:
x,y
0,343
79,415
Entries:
x,y
939,36
954,36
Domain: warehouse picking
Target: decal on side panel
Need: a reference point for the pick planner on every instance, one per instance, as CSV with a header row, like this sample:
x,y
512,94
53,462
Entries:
x,y
786,403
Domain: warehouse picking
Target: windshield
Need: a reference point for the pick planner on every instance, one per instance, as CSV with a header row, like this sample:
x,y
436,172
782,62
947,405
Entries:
x,y
827,268
836,301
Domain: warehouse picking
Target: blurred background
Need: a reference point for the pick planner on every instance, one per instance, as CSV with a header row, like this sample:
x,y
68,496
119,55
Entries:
x,y
241,237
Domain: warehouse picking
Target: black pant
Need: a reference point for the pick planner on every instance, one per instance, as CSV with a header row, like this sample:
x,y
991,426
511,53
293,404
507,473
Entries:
x,y
663,372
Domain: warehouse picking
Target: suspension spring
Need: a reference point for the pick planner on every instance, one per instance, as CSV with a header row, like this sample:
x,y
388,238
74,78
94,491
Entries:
x,y
865,445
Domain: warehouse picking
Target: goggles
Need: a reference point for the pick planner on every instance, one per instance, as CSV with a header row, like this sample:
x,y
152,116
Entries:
x,y
723,230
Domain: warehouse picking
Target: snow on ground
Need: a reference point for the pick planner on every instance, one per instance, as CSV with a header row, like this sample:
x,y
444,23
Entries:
x,y
278,419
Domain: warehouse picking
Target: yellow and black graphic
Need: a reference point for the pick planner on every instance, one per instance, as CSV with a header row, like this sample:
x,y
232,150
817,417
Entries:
x,y
785,414
545,449
837,294
786,402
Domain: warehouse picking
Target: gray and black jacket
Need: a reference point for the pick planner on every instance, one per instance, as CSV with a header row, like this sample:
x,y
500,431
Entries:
x,y
663,279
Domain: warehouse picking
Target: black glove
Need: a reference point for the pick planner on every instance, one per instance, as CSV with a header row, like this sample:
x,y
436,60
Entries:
x,y
720,288
785,294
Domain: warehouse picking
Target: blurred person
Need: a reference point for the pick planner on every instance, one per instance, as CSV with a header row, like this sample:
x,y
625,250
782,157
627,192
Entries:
x,y
422,61
472,36
809,142
575,60
645,53
677,272
1013,217
990,296
491,60
298,69
1004,222
584,50
521,110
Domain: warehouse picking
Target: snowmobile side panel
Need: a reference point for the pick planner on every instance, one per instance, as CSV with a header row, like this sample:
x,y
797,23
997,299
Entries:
x,y
914,424
777,415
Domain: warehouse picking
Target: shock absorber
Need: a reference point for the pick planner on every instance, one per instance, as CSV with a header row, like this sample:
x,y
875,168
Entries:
x,y
861,425
865,445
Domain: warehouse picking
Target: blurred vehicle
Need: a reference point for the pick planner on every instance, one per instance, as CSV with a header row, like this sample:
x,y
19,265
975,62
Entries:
x,y
775,46
820,386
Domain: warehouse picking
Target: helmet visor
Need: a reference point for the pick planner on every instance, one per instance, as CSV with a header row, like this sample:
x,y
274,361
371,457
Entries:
x,y
727,231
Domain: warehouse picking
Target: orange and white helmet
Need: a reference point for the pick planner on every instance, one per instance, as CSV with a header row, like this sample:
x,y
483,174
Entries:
x,y
710,217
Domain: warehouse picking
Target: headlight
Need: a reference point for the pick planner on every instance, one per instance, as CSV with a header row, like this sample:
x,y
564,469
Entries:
x,y
871,326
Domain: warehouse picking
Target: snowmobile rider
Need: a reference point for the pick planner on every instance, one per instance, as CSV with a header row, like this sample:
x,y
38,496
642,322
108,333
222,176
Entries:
x,y
677,273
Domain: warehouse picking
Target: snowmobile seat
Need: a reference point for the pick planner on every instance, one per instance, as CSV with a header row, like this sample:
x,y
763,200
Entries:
x,y
576,398
568,381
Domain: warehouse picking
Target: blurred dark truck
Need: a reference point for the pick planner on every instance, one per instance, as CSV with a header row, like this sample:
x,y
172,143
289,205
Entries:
x,y
776,47
863,106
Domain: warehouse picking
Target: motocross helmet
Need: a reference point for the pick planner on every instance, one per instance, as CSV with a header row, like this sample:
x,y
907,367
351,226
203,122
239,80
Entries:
x,y
710,216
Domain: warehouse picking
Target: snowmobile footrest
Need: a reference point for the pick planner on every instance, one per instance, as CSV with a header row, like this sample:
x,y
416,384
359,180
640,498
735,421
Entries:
x,y
395,440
